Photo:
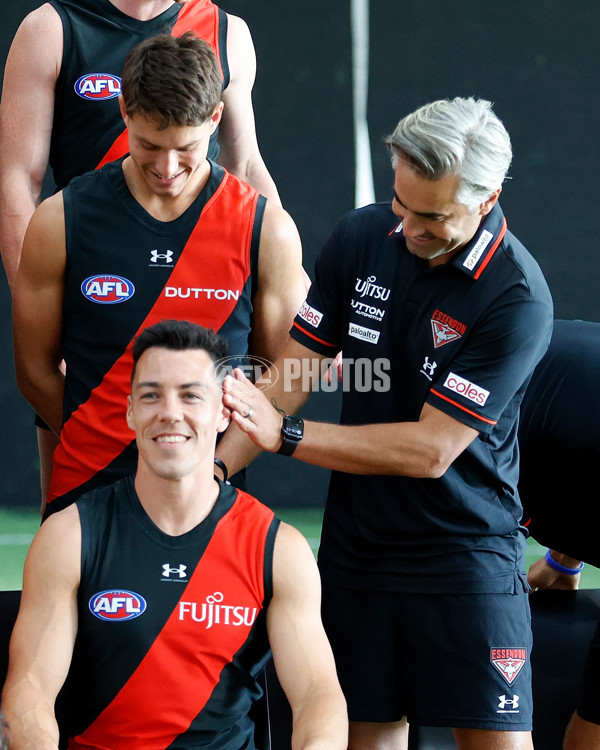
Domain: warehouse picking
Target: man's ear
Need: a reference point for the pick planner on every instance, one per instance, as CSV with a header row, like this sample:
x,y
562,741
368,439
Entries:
x,y
223,423
215,118
122,109
129,415
487,205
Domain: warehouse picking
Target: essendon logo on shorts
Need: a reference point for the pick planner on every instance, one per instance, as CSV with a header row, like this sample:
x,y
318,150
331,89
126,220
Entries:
x,y
508,661
445,328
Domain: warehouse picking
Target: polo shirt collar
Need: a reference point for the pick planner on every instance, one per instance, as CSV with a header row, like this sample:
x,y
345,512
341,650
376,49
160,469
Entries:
x,y
475,256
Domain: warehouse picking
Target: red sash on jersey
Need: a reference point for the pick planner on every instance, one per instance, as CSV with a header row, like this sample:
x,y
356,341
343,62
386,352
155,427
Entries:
x,y
200,16
97,432
177,676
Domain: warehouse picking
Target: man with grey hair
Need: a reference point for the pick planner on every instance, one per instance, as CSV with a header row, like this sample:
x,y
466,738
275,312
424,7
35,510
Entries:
x,y
442,315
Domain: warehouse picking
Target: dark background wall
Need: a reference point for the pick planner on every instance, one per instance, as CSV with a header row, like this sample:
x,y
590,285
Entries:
x,y
538,64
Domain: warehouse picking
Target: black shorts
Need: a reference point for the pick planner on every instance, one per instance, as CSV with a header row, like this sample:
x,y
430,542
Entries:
x,y
447,660
589,700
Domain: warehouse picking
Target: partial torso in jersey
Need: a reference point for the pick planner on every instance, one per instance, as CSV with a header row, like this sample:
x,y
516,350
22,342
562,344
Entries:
x,y
88,129
125,271
171,631
559,437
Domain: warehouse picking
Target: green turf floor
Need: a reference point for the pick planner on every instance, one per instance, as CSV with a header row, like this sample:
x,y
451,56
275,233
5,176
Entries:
x,y
18,527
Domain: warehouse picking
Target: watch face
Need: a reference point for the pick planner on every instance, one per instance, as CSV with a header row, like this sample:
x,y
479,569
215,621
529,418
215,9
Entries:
x,y
293,427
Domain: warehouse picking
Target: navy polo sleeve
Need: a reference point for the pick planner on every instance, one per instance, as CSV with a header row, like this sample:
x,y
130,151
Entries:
x,y
480,383
318,324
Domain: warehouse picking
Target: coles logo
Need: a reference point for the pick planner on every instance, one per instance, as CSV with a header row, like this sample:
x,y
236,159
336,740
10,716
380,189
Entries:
x,y
107,289
117,605
467,389
310,315
96,86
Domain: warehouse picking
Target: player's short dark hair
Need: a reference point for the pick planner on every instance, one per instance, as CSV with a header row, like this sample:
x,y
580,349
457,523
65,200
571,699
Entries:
x,y
174,80
180,335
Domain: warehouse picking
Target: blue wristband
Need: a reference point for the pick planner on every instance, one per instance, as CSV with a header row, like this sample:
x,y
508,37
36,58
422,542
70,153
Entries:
x,y
562,568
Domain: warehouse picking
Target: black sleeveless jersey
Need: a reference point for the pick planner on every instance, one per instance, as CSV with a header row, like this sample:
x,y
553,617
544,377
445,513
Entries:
x,y
125,271
88,129
172,630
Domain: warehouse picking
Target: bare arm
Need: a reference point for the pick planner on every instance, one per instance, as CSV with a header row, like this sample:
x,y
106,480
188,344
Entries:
x,y
42,641
279,296
240,153
281,288
26,113
37,312
301,652
541,576
425,448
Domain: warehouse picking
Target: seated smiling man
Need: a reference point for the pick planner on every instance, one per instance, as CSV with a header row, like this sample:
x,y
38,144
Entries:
x,y
167,588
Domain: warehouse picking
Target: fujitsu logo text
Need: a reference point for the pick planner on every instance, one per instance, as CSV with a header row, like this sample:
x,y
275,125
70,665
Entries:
x,y
369,289
213,612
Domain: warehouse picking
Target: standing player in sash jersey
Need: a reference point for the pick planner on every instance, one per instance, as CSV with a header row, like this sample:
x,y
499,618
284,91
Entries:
x,y
60,103
60,97
162,233
165,592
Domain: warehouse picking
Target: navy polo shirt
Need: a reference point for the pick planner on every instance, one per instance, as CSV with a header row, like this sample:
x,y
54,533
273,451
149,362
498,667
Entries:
x,y
464,337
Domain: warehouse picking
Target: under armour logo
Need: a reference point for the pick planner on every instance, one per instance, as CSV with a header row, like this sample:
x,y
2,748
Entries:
x,y
428,368
504,701
155,256
167,570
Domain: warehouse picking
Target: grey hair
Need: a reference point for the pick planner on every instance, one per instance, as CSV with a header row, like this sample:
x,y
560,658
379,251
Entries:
x,y
461,137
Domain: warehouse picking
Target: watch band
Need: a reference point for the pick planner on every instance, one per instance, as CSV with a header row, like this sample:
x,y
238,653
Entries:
x,y
292,432
288,446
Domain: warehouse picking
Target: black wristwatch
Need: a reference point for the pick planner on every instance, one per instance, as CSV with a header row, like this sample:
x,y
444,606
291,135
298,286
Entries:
x,y
292,431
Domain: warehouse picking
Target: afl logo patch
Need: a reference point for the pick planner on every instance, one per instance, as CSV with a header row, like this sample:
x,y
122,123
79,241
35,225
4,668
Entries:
x,y
117,605
107,290
98,86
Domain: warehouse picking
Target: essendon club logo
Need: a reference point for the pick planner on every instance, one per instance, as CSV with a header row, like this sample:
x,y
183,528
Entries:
x,y
508,661
445,328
